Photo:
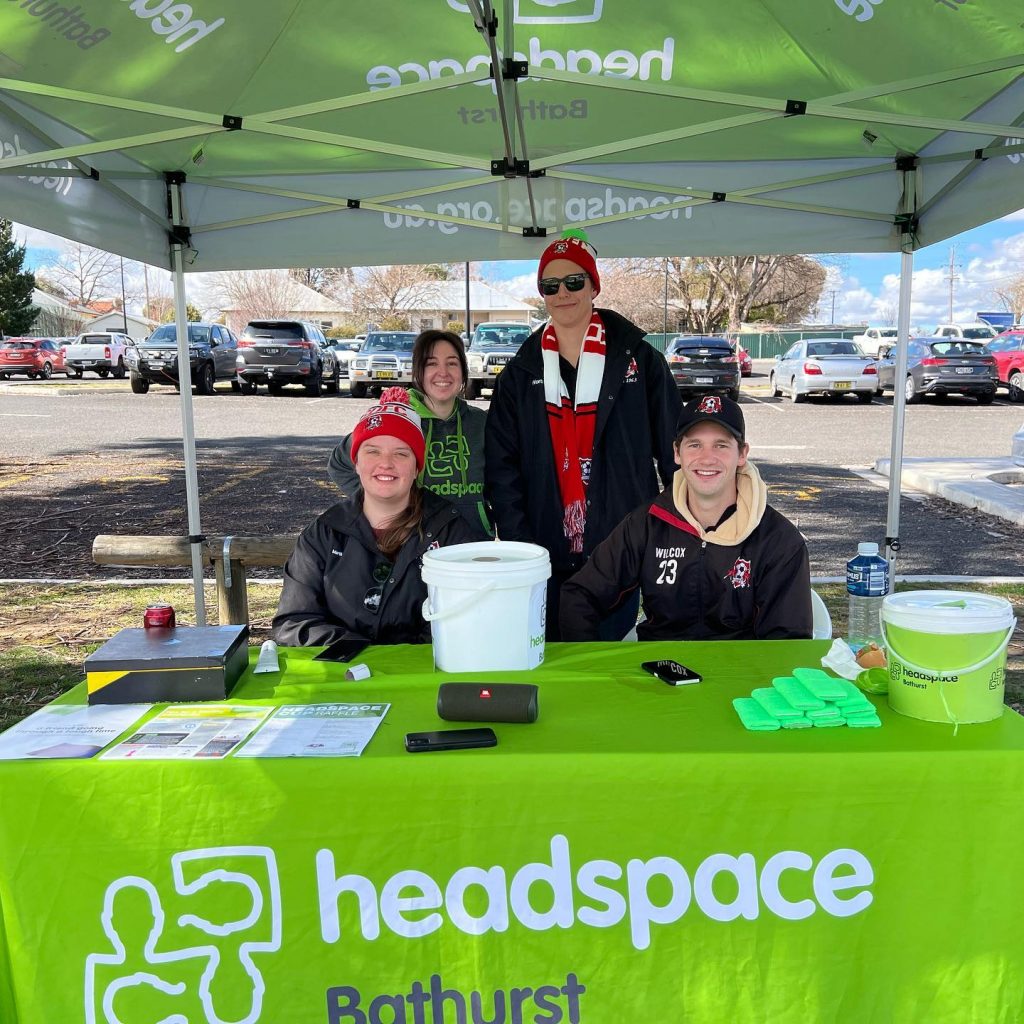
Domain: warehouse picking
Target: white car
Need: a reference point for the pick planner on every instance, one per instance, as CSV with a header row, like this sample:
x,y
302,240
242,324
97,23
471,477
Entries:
x,y
972,332
874,337
103,352
824,366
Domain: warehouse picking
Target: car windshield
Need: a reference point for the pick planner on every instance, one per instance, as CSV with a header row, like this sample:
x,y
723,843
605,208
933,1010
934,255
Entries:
x,y
169,333
978,332
833,348
347,346
391,342
1005,343
700,342
955,347
273,332
19,344
888,332
493,337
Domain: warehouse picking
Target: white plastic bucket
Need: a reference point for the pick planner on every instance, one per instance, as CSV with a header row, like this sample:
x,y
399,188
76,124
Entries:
x,y
486,605
947,654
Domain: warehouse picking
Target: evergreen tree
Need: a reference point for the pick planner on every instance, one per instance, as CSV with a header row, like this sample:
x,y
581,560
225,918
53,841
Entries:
x,y
17,314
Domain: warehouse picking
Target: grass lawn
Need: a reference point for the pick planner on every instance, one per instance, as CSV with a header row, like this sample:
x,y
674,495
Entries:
x,y
47,630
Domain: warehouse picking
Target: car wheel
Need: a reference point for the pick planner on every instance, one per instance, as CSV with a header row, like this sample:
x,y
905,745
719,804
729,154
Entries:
x,y
772,386
140,386
314,385
472,390
985,397
247,387
47,371
865,397
331,386
103,373
119,370
1016,386
235,386
794,396
357,390
206,380
734,394
78,373
32,375
910,391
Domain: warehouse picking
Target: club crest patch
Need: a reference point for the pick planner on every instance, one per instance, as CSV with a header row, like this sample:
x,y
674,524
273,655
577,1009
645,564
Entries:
x,y
585,470
711,404
739,574
632,373
374,422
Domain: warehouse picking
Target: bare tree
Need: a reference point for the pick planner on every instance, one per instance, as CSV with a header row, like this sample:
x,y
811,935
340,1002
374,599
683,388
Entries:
x,y
255,295
326,280
85,274
1011,295
636,289
393,291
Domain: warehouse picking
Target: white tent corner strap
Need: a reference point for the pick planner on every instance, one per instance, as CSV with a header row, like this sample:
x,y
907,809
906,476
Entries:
x,y
474,131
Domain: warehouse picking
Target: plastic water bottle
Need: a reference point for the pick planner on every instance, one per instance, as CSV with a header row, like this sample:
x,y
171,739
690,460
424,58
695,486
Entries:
x,y
867,583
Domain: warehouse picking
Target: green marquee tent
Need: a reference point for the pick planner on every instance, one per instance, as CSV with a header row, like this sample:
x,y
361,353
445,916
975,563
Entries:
x,y
222,134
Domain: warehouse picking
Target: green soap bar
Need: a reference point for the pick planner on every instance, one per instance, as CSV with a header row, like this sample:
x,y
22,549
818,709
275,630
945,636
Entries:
x,y
821,685
828,723
855,707
823,714
796,693
797,723
753,716
852,716
864,722
775,704
851,692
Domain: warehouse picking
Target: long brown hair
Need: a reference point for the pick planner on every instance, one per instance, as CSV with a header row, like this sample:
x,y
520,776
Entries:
x,y
403,526
424,345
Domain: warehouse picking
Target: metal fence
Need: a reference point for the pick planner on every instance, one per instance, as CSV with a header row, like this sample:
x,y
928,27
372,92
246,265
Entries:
x,y
761,346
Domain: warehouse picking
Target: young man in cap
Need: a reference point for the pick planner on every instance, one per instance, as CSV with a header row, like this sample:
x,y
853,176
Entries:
x,y
711,558
579,427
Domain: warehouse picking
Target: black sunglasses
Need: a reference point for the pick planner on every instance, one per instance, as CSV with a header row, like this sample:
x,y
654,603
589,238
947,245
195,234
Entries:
x,y
572,282
381,573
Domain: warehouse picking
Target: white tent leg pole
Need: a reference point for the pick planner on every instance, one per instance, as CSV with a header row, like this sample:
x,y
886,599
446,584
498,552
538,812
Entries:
x,y
899,407
188,432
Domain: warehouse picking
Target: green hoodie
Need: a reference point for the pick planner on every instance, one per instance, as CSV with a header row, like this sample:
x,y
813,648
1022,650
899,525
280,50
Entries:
x,y
453,465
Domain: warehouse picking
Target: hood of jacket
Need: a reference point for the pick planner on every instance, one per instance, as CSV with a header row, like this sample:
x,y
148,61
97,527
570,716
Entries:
x,y
419,404
751,500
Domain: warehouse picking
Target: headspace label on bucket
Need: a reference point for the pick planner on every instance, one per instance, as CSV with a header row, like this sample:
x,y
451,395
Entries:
x,y
911,677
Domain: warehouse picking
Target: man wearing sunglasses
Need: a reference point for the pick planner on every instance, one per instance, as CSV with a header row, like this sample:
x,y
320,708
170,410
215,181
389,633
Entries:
x,y
355,571
580,426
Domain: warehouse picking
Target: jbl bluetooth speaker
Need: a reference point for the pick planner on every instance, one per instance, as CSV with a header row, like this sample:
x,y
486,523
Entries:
x,y
487,702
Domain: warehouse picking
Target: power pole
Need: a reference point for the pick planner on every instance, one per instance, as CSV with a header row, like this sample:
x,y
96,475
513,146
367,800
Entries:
x,y
832,322
952,277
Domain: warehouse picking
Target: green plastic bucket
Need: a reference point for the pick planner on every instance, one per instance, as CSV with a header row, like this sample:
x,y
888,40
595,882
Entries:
x,y
947,654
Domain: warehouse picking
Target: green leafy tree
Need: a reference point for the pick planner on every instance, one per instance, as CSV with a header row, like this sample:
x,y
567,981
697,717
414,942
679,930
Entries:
x,y
17,314
193,313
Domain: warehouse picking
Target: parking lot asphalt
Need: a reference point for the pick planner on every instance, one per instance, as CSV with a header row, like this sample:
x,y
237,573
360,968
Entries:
x,y
117,457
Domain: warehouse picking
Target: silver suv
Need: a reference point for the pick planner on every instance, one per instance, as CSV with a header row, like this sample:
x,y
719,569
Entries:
x,y
491,348
384,359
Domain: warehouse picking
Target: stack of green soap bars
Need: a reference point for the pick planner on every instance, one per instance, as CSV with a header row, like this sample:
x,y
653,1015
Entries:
x,y
809,698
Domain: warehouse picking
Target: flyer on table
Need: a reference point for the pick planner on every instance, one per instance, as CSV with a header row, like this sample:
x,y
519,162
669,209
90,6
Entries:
x,y
190,732
317,730
69,730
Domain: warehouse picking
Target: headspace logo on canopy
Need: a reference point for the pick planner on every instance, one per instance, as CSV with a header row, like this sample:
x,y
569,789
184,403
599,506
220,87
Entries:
x,y
59,184
173,20
657,891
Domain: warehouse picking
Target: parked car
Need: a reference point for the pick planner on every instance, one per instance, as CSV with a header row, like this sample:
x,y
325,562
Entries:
x,y
704,364
212,349
972,332
39,358
384,359
824,366
746,363
489,351
1008,352
345,350
280,352
942,367
100,351
874,338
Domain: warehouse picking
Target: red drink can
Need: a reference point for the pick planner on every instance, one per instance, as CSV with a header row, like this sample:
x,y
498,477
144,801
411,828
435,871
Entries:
x,y
160,614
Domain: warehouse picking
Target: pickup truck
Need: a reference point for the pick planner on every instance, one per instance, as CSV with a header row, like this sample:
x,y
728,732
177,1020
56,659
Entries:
x,y
212,350
384,359
874,338
103,352
490,349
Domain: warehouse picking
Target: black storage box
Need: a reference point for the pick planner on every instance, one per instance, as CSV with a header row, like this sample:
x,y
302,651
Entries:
x,y
177,663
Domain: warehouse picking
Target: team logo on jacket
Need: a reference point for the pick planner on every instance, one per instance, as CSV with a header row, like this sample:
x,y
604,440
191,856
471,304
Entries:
x,y
739,573
712,404
632,373
585,470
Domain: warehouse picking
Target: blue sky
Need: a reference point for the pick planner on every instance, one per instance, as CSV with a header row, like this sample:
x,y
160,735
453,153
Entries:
x,y
866,286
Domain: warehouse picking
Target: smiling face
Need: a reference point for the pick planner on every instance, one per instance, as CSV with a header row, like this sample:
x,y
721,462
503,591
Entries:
x,y
442,374
386,467
709,457
569,309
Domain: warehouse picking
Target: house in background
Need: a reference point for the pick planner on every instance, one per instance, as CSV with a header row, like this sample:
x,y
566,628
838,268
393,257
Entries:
x,y
139,327
304,304
57,318
445,301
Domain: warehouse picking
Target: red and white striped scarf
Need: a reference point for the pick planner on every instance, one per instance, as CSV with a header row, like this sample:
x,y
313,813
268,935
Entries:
x,y
572,423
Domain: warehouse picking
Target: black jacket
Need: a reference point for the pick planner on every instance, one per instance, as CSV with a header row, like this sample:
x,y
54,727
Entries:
x,y
693,588
636,419
328,574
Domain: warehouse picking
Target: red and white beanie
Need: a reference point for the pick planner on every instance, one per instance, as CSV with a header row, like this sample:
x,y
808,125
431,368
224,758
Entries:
x,y
572,246
393,417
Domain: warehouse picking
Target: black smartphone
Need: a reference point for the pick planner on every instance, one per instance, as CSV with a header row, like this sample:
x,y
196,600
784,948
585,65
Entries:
x,y
672,672
344,649
449,739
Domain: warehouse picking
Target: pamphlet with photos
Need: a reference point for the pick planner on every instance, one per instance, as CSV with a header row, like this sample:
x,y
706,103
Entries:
x,y
69,730
317,730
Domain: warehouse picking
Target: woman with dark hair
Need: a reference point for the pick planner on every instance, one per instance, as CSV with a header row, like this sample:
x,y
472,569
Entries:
x,y
355,570
453,465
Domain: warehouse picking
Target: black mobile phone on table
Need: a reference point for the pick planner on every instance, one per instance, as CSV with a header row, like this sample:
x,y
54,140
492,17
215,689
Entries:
x,y
449,739
672,672
344,649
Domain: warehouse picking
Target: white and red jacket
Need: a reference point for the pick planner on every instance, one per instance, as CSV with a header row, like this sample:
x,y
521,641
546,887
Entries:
x,y
748,579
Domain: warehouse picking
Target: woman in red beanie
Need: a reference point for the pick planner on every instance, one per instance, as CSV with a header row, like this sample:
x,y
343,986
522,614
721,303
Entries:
x,y
355,570
580,426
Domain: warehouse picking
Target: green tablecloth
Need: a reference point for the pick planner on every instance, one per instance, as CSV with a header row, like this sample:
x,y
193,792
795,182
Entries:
x,y
683,869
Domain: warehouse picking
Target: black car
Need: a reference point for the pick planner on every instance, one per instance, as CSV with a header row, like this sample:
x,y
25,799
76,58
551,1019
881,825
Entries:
x,y
941,367
704,364
211,352
279,352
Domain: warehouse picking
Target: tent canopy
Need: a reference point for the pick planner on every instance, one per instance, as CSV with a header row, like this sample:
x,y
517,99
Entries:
x,y
312,133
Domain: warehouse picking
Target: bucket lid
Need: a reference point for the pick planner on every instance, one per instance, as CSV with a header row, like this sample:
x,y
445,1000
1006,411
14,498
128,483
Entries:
x,y
947,611
494,556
